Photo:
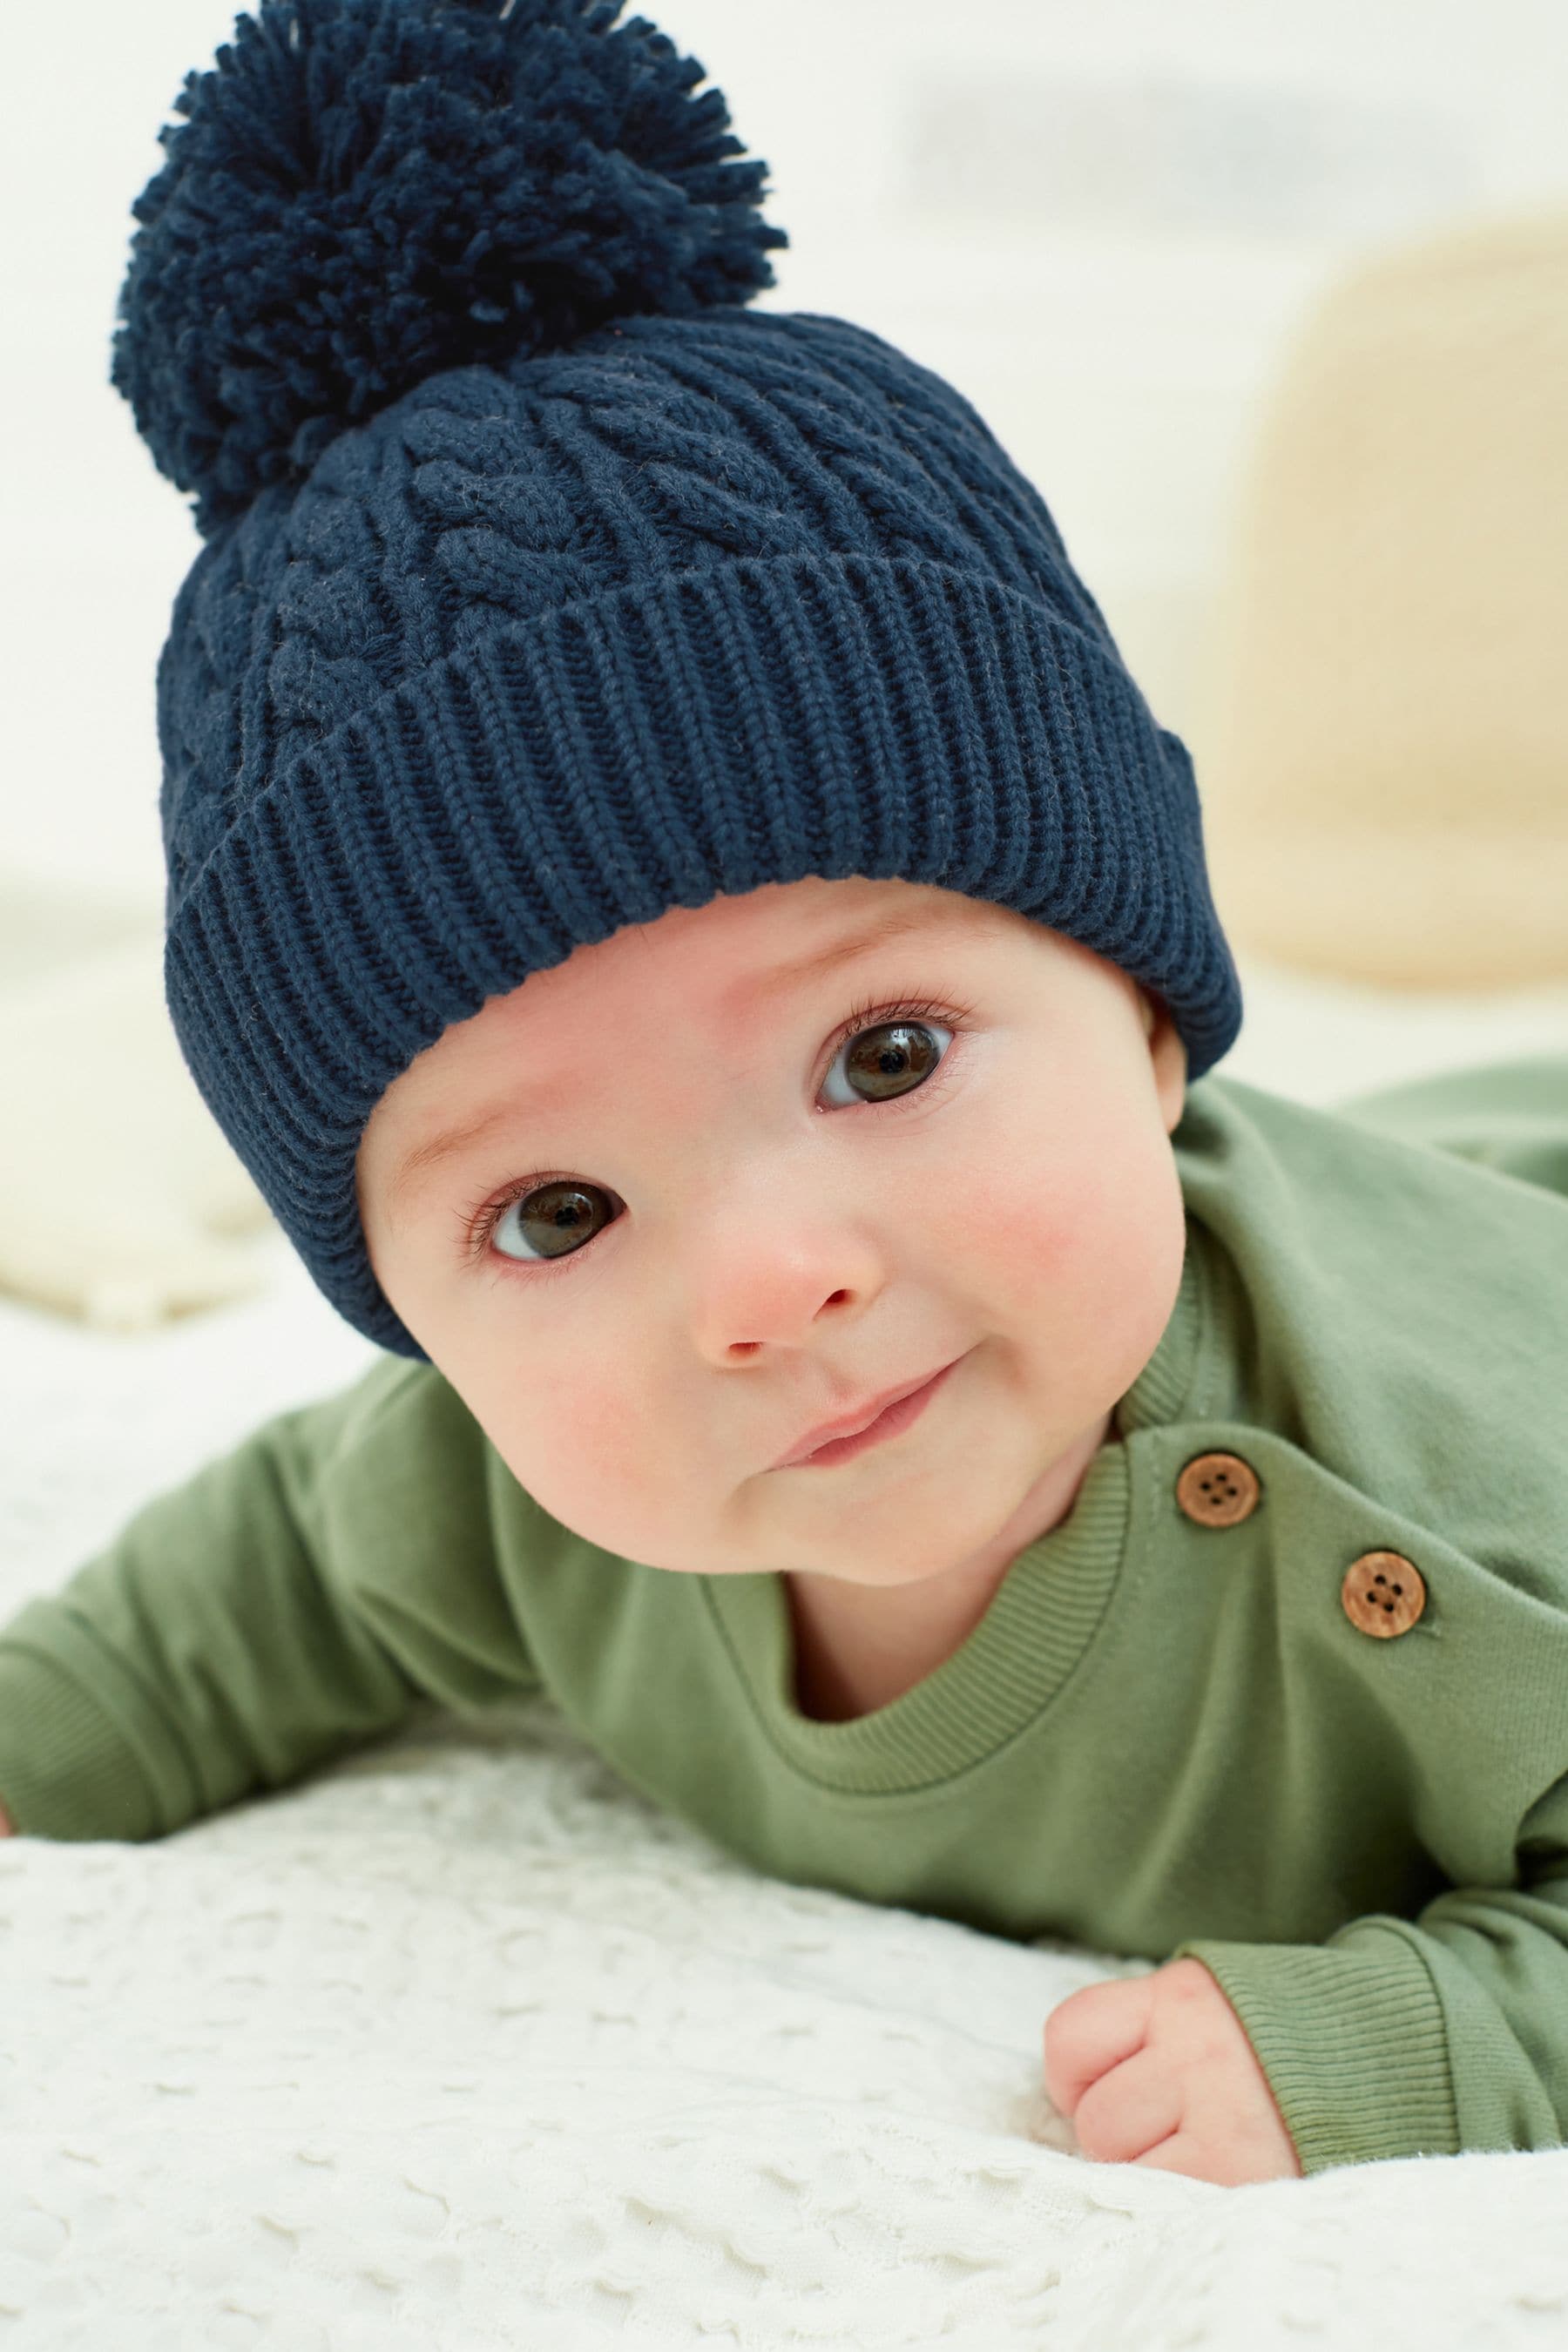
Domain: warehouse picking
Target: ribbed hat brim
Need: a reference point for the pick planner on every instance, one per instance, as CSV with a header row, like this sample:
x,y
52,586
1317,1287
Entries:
x,y
845,715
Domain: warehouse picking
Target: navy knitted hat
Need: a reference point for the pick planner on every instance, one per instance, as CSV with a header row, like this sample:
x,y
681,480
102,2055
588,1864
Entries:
x,y
545,586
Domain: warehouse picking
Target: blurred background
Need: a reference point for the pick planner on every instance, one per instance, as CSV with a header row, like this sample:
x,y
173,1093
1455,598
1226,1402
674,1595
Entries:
x,y
1271,302
1269,298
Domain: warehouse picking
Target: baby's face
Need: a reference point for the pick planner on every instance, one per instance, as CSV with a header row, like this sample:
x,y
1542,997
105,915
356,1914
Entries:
x,y
708,1217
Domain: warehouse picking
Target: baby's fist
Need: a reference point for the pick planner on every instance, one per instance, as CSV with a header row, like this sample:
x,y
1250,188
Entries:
x,y
1157,2070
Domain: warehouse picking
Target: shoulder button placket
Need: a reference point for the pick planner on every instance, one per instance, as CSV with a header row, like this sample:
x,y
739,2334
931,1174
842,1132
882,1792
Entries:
x,y
1384,1593
1218,1490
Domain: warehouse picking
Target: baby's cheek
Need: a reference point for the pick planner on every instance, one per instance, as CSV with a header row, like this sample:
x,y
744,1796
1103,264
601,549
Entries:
x,y
1063,1259
1013,1219
585,1448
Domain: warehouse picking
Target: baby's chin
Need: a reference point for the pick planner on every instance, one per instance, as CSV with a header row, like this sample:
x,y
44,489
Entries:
x,y
904,1552
905,1548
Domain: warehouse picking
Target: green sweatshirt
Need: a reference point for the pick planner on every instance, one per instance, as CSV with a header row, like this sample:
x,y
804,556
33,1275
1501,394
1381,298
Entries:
x,y
1168,1734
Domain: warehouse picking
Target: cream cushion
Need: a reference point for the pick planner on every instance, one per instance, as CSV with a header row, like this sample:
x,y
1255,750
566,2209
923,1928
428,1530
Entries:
x,y
121,1200
1380,728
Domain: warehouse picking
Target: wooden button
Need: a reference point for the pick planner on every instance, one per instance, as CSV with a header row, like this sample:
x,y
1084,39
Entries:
x,y
1384,1593
1218,1490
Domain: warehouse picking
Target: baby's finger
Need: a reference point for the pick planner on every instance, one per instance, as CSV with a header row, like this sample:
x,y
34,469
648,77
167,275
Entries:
x,y
1132,2107
1095,2028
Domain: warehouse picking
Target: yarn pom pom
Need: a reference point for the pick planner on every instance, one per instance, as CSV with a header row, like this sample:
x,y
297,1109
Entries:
x,y
364,191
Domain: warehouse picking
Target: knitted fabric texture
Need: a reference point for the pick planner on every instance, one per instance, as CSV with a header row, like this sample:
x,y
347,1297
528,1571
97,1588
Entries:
x,y
554,642
697,605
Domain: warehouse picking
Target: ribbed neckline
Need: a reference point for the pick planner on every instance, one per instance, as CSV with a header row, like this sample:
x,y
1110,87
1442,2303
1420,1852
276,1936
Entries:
x,y
1041,1618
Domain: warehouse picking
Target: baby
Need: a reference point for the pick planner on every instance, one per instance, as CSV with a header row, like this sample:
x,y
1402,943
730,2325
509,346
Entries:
x,y
681,907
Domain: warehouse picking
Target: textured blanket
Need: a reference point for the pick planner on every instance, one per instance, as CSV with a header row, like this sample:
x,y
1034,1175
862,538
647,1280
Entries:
x,y
461,2044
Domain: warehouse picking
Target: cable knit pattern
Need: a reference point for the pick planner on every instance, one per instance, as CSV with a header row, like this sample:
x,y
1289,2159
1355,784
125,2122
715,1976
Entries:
x,y
654,449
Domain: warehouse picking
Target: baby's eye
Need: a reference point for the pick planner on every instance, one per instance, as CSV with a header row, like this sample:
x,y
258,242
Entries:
x,y
553,1220
892,1057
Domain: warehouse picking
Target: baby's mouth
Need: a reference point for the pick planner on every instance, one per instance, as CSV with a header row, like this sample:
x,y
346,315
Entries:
x,y
891,1421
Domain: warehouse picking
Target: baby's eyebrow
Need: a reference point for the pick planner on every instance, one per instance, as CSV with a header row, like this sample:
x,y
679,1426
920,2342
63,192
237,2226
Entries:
x,y
898,925
416,1167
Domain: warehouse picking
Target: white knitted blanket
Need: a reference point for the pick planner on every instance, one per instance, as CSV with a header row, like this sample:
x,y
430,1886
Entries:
x,y
461,2044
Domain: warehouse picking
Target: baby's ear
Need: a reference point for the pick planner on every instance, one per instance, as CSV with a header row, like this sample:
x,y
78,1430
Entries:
x,y
1168,1052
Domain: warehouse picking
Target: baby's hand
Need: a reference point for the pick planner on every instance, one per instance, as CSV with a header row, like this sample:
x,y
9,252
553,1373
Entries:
x,y
1157,2070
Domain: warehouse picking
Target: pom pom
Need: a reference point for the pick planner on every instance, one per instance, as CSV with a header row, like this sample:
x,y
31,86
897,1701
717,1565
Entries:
x,y
365,192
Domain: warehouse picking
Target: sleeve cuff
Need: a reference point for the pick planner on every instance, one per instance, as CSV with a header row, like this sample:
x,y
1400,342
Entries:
x,y
1352,2036
68,1770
